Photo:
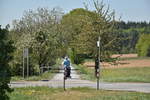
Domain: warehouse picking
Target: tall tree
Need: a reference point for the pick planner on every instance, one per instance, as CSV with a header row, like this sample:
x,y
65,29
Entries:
x,y
83,27
6,49
39,31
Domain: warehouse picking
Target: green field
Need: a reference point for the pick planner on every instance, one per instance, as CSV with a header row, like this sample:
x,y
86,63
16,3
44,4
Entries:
x,y
45,93
134,74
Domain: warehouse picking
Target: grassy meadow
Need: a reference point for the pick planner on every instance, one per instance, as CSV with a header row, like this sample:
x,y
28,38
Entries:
x,y
133,74
45,93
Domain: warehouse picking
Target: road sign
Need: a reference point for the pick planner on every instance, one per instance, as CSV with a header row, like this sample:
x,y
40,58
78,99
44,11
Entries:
x,y
98,42
25,52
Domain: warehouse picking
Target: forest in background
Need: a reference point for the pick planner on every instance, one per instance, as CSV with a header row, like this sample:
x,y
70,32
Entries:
x,y
130,32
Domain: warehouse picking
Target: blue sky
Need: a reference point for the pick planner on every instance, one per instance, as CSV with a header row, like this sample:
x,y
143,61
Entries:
x,y
129,10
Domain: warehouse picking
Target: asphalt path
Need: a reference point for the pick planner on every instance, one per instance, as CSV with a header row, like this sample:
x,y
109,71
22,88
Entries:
x,y
75,81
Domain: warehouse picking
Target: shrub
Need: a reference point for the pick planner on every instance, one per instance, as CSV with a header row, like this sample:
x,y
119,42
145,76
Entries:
x,y
75,58
143,45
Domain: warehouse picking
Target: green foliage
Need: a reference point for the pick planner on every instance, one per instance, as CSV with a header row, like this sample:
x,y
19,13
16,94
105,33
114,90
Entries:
x,y
130,24
129,33
48,35
83,27
75,58
71,55
6,49
143,45
48,75
39,31
128,40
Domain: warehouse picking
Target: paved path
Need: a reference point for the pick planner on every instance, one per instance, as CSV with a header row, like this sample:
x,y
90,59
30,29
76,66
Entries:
x,y
75,81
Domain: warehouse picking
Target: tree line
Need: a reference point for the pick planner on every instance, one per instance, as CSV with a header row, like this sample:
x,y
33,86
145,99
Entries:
x,y
130,32
131,24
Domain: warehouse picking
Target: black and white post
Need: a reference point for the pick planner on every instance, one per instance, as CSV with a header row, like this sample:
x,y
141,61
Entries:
x,y
98,63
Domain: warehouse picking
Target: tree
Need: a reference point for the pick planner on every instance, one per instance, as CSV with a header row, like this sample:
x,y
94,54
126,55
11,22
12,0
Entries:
x,y
129,33
39,31
143,45
6,49
83,27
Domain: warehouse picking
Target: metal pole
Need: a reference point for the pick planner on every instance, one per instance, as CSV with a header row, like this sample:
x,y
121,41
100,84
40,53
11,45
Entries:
x,y
97,83
98,64
27,51
64,84
23,64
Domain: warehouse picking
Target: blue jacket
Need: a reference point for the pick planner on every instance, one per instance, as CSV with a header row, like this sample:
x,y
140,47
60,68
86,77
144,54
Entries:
x,y
66,63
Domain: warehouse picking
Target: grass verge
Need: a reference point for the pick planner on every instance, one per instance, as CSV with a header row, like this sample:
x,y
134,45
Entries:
x,y
44,76
45,93
134,74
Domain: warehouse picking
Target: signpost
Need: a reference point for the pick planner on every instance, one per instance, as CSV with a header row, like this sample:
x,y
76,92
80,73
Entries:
x,y
25,61
97,63
23,64
64,84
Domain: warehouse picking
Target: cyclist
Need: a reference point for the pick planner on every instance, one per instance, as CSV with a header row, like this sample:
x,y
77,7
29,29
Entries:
x,y
66,65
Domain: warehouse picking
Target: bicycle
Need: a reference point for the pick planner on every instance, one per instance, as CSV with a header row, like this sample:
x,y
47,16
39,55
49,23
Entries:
x,y
67,72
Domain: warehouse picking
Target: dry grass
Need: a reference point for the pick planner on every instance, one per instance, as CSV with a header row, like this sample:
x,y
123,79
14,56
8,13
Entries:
x,y
124,55
122,64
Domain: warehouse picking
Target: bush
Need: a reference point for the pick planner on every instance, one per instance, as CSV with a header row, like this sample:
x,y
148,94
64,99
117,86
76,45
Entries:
x,y
75,58
143,45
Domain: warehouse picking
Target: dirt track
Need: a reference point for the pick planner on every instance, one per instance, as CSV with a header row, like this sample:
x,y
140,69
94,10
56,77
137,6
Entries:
x,y
124,63
125,55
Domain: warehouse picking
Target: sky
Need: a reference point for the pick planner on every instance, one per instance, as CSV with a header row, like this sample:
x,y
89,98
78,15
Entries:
x,y
128,10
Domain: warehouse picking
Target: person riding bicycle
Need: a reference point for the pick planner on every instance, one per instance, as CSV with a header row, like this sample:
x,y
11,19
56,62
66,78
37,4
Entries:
x,y
66,65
